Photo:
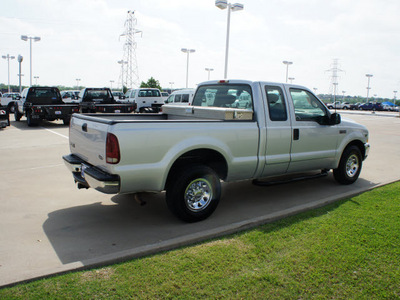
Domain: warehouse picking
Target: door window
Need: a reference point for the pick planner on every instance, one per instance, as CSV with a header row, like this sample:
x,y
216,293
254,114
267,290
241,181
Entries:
x,y
307,107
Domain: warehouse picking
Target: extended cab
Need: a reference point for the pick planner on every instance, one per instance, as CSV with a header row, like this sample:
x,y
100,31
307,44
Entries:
x,y
43,103
189,150
92,100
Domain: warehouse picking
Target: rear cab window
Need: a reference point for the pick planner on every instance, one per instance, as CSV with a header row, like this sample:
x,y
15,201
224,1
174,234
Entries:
x,y
276,103
44,96
224,95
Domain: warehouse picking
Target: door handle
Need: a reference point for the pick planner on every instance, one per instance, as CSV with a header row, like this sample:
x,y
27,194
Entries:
x,y
296,134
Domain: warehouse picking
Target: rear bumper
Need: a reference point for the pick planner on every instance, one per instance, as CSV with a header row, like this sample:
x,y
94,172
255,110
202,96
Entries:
x,y
87,176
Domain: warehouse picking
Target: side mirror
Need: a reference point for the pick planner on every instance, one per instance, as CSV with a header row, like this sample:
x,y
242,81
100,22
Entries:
x,y
18,97
335,119
122,97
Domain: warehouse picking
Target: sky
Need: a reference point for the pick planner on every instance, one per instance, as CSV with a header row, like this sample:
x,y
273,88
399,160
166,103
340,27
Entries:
x,y
81,39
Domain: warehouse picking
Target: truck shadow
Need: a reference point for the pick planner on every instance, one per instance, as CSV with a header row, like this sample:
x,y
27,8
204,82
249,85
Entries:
x,y
121,228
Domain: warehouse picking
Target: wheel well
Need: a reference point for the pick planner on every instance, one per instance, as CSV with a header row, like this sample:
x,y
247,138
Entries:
x,y
208,157
360,146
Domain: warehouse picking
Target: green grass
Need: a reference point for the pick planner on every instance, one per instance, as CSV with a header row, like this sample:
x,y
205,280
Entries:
x,y
347,250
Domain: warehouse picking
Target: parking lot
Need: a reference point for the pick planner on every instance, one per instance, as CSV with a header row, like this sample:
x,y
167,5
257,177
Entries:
x,y
48,226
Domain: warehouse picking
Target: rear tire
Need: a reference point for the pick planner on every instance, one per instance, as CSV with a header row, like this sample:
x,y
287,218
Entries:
x,y
193,193
30,121
349,166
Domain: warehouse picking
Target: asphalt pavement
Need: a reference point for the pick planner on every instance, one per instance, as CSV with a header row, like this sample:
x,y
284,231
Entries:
x,y
48,226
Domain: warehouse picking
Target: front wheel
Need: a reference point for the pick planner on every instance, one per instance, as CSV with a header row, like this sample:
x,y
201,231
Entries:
x,y
193,193
349,166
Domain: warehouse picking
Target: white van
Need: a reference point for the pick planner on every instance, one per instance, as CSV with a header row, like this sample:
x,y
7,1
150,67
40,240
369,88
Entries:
x,y
147,99
181,97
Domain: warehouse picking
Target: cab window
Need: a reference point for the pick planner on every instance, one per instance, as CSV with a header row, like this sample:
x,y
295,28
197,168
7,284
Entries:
x,y
276,104
224,95
307,107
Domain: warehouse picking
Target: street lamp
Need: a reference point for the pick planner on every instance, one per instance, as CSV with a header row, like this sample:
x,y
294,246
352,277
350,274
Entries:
x,y
291,79
368,88
111,82
30,38
77,82
171,83
394,96
8,62
315,90
344,92
20,59
287,63
36,78
209,70
223,4
188,51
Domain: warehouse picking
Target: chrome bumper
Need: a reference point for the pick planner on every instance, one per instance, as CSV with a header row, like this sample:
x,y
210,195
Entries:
x,y
87,176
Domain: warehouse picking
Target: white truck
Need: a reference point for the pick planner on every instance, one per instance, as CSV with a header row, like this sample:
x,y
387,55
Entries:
x,y
147,99
338,105
189,150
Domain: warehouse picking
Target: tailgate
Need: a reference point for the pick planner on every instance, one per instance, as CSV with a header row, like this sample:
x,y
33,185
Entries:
x,y
87,139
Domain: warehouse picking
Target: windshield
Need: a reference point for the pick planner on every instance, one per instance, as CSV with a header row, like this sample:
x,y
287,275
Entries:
x,y
224,95
44,96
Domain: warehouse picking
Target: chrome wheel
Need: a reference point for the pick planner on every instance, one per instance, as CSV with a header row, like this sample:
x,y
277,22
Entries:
x,y
198,194
352,165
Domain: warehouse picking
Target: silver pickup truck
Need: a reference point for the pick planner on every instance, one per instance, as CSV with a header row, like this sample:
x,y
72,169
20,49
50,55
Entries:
x,y
235,130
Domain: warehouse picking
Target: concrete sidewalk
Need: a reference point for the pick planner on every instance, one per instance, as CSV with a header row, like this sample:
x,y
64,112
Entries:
x,y
48,226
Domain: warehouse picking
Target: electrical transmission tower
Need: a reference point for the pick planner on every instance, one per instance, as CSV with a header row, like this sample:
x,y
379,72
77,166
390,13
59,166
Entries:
x,y
334,77
129,76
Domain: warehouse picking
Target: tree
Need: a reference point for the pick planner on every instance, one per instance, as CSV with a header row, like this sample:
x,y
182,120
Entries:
x,y
151,83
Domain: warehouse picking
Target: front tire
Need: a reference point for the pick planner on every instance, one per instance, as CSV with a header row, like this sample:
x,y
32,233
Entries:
x,y
193,193
17,114
349,166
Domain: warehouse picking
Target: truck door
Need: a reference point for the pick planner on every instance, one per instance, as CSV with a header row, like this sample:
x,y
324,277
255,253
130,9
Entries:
x,y
314,141
279,131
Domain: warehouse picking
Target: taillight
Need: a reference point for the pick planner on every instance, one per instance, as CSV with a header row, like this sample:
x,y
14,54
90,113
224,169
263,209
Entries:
x,y
112,149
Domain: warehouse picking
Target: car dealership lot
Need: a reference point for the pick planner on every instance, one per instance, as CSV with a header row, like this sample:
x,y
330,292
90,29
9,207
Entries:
x,y
47,225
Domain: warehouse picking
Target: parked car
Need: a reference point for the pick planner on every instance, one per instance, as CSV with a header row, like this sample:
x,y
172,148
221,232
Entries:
x,y
118,95
355,106
8,99
70,96
371,106
164,95
43,103
92,100
338,105
4,117
146,99
188,150
181,97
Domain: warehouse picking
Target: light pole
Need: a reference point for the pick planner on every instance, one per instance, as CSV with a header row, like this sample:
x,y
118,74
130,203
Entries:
x,y
36,78
291,79
368,88
223,4
111,82
8,62
30,38
315,90
20,59
209,70
287,63
171,83
77,83
344,92
187,51
394,96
